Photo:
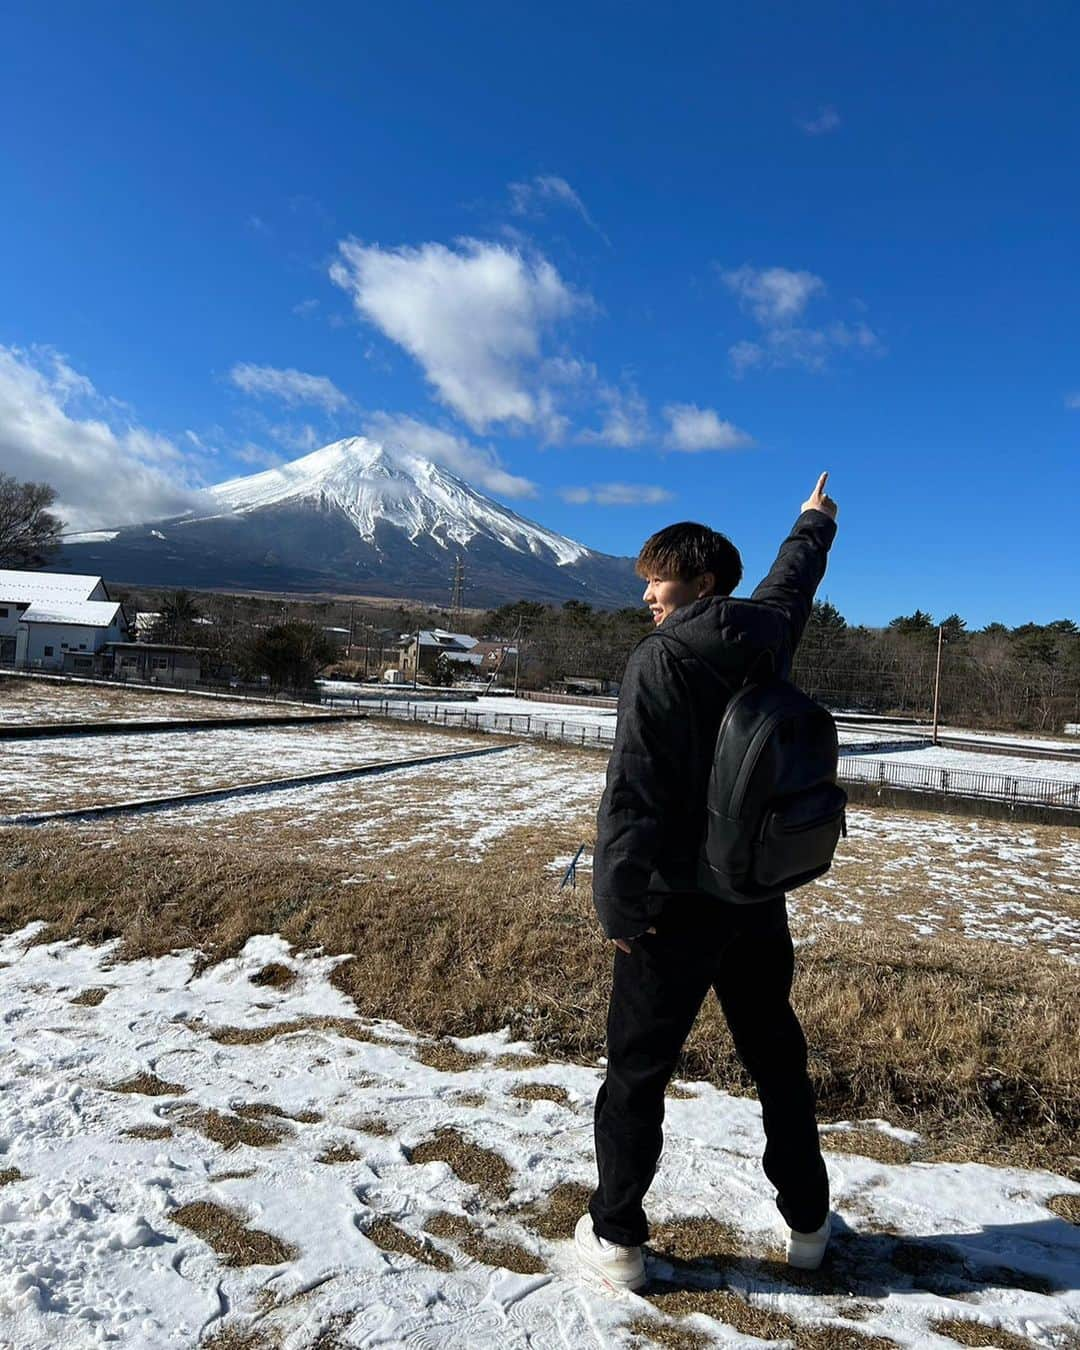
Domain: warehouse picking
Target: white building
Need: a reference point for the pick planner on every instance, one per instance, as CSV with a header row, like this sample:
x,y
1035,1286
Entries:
x,y
45,616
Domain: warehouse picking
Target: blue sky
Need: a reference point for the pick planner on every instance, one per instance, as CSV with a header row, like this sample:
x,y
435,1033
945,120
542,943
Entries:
x,y
617,264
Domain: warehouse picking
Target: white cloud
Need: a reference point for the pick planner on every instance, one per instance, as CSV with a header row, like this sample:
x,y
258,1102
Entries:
x,y
616,494
261,458
1073,400
103,475
810,348
291,386
303,309
826,120
532,196
302,438
777,297
626,421
474,317
772,294
694,429
478,465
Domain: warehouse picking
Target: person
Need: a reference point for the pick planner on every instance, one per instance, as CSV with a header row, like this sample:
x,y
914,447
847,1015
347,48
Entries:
x,y
672,941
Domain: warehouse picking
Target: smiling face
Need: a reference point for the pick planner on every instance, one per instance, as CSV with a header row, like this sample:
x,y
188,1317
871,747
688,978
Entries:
x,y
664,595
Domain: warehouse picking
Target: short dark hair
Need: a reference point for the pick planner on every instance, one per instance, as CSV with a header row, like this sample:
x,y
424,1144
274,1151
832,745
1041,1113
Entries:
x,y
687,550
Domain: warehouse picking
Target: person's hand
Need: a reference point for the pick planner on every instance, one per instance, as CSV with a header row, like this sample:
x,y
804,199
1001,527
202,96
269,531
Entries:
x,y
623,944
819,500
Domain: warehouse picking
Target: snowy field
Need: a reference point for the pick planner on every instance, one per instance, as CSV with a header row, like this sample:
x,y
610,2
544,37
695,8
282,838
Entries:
x,y
34,700
163,1181
454,810
81,771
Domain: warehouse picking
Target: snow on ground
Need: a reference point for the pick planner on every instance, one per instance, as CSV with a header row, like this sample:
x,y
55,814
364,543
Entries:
x,y
460,808
79,771
932,875
35,700
93,1251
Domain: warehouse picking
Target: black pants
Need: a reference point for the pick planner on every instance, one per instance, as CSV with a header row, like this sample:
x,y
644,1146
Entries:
x,y
744,953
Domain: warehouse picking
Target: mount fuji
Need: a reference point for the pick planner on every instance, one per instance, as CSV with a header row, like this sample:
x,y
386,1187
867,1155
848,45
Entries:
x,y
355,518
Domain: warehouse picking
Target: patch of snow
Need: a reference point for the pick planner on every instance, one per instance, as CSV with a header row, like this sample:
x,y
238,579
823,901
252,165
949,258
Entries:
x,y
92,1255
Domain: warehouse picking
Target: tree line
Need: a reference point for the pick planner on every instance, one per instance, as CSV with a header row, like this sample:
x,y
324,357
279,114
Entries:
x,y
1023,678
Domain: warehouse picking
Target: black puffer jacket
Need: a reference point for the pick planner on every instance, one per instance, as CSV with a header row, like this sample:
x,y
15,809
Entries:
x,y
652,813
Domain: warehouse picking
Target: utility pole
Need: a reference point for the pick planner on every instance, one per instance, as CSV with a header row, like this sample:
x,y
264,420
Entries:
x,y
937,679
457,589
416,661
352,617
517,655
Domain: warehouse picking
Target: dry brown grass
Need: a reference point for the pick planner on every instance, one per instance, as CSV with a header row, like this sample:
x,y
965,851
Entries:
x,y
1066,1207
339,1153
391,1238
477,1166
256,1110
517,1061
966,1331
372,1125
541,1092
239,1174
90,998
555,1216
148,1085
150,1131
276,975
874,1144
682,1241
226,1231
9,1174
972,1045
445,1056
240,1338
669,1335
501,1252
230,1130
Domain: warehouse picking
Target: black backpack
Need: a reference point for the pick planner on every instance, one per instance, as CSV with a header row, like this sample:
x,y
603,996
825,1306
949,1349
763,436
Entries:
x,y
774,809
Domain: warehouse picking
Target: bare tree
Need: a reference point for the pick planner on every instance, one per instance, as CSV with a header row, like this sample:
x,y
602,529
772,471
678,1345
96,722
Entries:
x,y
29,532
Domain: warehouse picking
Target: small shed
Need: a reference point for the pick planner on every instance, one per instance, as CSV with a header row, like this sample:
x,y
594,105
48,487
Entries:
x,y
154,662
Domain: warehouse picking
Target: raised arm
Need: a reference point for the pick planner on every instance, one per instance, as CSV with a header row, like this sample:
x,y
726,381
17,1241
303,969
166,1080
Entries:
x,y
800,563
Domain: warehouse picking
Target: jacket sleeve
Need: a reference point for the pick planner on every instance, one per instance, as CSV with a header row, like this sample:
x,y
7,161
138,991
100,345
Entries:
x,y
647,765
796,574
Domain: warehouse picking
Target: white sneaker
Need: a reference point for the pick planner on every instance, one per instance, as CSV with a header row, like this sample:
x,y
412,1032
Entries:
x,y
619,1267
806,1250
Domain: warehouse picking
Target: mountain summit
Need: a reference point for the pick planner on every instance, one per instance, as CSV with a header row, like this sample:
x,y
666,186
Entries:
x,y
356,517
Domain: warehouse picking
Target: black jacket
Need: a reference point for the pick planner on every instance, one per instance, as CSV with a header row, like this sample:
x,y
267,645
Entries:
x,y
652,814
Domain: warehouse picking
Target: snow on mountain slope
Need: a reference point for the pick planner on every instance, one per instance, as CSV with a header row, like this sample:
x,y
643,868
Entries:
x,y
370,482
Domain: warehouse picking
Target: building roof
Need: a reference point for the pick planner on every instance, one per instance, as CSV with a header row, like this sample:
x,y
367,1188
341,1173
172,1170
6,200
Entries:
x,y
444,641
20,585
82,613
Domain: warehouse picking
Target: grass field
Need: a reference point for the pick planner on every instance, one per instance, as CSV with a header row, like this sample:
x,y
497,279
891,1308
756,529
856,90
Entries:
x,y
938,983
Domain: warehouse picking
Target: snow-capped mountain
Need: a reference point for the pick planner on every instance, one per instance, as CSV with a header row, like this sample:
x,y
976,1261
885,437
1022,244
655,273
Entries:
x,y
357,517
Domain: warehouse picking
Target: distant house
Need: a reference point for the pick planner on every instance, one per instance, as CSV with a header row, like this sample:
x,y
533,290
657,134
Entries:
x,y
45,592
485,657
44,616
53,634
431,644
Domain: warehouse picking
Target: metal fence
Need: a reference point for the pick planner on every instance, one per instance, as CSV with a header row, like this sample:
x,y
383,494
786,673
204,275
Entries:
x,y
960,782
514,724
853,767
